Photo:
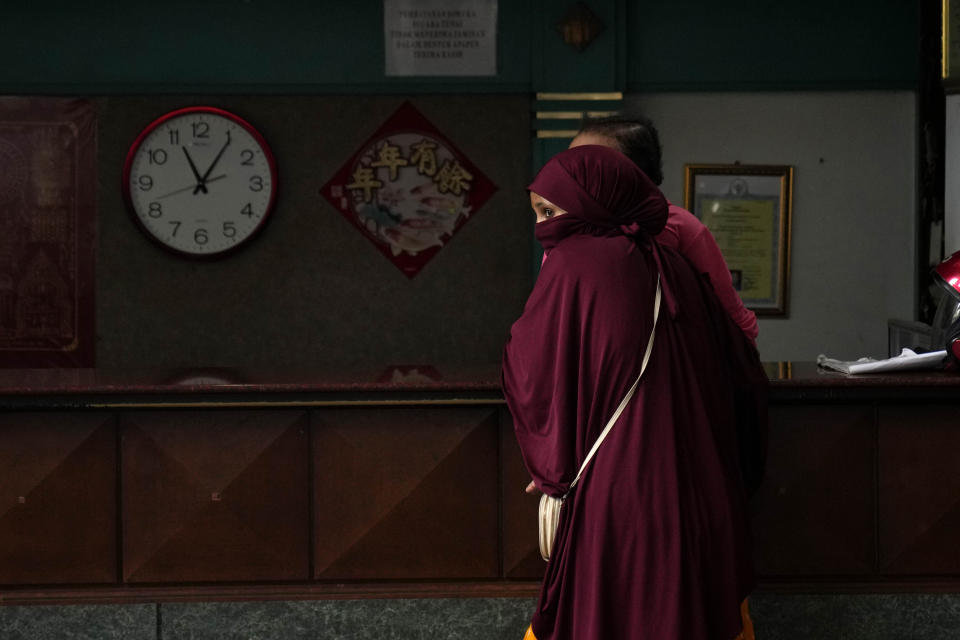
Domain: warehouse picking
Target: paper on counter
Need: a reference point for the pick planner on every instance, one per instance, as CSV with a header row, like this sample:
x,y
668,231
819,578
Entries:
x,y
906,361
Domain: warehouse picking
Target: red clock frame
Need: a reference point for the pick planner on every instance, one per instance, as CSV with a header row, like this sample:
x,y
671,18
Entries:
x,y
249,128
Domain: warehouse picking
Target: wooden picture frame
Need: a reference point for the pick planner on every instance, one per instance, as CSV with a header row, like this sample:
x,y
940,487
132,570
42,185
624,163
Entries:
x,y
950,46
748,210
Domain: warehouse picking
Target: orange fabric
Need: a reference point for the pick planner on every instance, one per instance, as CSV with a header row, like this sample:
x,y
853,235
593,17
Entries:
x,y
746,634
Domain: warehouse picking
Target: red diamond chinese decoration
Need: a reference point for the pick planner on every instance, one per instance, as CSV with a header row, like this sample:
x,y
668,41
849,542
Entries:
x,y
408,189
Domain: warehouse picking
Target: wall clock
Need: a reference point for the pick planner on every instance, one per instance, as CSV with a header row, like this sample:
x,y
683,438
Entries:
x,y
200,181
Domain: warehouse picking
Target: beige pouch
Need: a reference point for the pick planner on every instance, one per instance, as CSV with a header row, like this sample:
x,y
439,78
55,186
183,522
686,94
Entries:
x,y
549,517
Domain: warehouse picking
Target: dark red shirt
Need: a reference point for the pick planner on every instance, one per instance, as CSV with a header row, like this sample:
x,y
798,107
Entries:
x,y
691,238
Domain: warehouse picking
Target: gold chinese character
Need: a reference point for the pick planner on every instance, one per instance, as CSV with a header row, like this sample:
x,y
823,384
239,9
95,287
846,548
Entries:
x,y
424,157
363,178
390,157
452,178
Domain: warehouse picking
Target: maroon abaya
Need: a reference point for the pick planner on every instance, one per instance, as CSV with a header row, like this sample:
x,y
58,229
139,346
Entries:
x,y
652,542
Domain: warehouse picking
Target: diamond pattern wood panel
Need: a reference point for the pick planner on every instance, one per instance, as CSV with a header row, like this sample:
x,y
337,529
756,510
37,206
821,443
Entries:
x,y
405,493
814,513
920,489
521,549
58,505
215,495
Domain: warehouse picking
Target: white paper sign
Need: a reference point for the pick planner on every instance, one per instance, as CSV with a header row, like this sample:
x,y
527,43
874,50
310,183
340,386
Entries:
x,y
440,37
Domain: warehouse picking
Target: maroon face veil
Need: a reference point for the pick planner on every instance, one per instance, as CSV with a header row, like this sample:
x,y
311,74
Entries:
x,y
653,541
603,192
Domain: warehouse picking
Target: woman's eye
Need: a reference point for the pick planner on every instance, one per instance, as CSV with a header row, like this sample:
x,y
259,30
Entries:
x,y
548,213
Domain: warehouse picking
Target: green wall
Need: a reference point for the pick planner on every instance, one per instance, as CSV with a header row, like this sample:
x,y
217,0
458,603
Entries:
x,y
289,46
272,46
762,45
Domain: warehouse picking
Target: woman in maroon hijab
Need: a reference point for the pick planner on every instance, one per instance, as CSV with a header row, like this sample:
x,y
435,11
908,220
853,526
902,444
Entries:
x,y
653,542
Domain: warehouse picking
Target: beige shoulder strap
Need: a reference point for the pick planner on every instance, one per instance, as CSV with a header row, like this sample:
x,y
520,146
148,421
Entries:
x,y
626,398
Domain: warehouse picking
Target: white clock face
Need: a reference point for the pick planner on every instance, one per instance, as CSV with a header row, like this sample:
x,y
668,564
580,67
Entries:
x,y
200,181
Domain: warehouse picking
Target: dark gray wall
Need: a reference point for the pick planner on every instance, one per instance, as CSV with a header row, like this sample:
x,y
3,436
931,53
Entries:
x,y
311,291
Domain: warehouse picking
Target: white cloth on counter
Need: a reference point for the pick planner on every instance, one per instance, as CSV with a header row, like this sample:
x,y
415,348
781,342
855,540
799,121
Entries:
x,y
906,361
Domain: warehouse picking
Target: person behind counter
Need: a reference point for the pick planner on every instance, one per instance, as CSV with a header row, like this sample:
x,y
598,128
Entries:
x,y
637,138
653,542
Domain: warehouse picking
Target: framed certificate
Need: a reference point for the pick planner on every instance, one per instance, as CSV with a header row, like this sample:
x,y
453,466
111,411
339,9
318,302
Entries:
x,y
747,209
950,52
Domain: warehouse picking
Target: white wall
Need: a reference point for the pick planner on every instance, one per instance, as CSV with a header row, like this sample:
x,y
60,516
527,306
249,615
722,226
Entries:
x,y
951,227
854,158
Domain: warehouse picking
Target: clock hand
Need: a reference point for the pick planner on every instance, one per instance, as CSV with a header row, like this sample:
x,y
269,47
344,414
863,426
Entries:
x,y
176,191
196,174
203,179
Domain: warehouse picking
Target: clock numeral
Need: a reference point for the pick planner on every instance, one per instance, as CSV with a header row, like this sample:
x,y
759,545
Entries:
x,y
184,211
157,156
200,129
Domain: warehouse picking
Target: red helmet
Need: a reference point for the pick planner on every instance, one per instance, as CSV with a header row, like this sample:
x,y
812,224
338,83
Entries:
x,y
946,321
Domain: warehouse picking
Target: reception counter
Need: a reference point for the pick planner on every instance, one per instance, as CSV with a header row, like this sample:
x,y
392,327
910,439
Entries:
x,y
124,486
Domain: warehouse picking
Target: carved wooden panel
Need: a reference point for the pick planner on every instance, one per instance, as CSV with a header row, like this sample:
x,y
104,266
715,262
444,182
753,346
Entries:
x,y
814,513
521,550
215,495
920,489
58,505
48,230
405,493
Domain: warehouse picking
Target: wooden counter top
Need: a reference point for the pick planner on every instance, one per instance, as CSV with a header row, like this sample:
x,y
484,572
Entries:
x,y
802,381
76,388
